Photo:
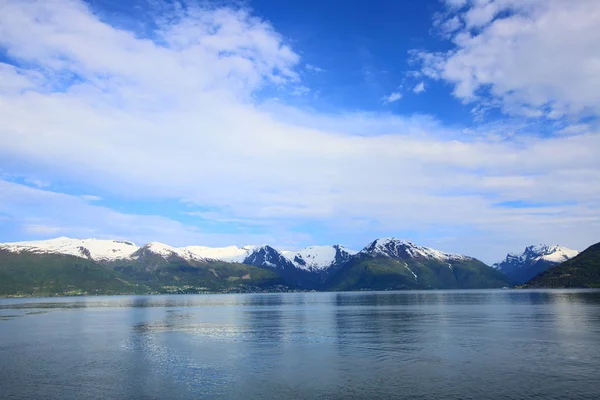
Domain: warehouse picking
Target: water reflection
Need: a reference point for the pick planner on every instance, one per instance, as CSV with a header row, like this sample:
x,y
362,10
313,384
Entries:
x,y
137,374
509,344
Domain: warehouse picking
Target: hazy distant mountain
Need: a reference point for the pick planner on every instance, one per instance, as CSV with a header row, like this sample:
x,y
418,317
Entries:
x,y
520,268
582,271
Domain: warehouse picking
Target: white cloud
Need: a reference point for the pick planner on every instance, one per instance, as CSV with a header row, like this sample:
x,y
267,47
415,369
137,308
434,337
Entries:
x,y
36,182
14,80
575,129
39,230
46,214
455,3
90,197
419,88
207,48
300,90
313,68
392,97
532,57
179,120
450,25
483,12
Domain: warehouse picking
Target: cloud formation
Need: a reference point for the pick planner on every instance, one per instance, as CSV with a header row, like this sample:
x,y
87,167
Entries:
x,y
419,88
529,57
313,68
44,213
177,115
392,97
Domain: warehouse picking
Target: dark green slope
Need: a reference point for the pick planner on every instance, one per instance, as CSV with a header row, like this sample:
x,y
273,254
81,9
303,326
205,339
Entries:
x,y
34,274
383,273
582,271
50,274
178,275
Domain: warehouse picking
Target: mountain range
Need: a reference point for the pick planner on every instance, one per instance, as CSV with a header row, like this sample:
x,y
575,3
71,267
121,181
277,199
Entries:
x,y
582,271
535,259
73,266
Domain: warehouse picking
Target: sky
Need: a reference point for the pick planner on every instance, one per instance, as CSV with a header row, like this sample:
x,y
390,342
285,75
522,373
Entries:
x,y
470,126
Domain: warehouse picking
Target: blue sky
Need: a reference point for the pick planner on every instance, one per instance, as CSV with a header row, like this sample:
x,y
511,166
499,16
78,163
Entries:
x,y
465,125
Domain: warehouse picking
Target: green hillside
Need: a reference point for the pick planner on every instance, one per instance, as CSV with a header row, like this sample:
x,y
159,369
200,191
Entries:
x,y
33,274
406,266
582,271
382,273
43,274
179,275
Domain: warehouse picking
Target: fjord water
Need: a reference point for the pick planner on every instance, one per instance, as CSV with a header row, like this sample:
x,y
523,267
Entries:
x,y
493,344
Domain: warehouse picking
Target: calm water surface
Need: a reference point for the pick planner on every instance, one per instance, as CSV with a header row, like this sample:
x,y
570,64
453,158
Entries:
x,y
505,344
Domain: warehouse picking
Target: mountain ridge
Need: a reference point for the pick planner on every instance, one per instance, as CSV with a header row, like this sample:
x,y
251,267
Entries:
x,y
383,264
108,250
534,260
395,264
581,271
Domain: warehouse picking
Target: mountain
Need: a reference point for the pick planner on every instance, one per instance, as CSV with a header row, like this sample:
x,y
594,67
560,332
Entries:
x,y
122,266
38,274
228,254
306,270
93,249
73,266
390,263
520,268
582,271
101,250
269,258
319,258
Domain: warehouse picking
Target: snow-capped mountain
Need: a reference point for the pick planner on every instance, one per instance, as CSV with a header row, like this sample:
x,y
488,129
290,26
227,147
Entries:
x,y
228,254
269,257
198,253
95,249
272,259
308,267
535,259
397,248
383,264
101,250
313,258
391,264
319,258
158,253
556,254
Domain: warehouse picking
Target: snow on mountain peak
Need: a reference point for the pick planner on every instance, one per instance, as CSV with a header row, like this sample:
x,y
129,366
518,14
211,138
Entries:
x,y
535,259
161,249
315,258
96,249
229,253
397,248
266,255
535,253
554,253
111,250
